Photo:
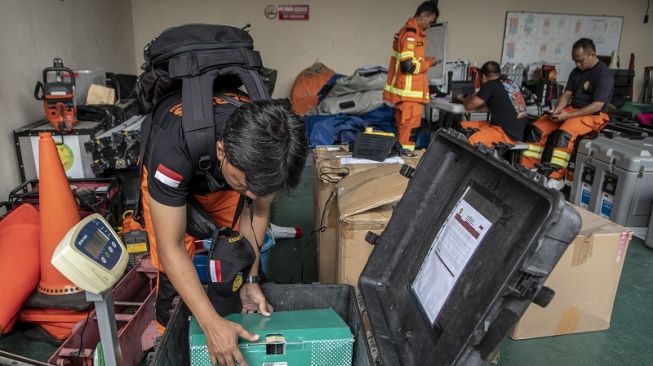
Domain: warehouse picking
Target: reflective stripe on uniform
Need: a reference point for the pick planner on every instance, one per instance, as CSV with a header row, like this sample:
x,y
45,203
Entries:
x,y
534,151
394,76
403,55
409,82
532,154
561,154
561,158
418,65
535,148
559,162
404,93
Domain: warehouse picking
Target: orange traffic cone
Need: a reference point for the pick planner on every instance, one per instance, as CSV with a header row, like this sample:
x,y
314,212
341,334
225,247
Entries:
x,y
19,262
58,213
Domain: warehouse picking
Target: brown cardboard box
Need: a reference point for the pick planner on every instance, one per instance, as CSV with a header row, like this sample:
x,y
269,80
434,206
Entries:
x,y
365,203
328,166
585,282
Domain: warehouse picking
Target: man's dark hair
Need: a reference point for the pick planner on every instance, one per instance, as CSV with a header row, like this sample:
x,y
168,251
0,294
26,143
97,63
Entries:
x,y
429,8
586,44
266,141
491,68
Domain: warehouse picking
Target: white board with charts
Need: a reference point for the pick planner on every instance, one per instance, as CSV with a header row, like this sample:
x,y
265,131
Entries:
x,y
535,37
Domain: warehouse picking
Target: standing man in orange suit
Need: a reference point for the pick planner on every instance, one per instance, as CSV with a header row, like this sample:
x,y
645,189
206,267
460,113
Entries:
x,y
407,86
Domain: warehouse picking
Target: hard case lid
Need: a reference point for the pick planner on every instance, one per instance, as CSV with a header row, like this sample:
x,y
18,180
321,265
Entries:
x,y
467,249
631,155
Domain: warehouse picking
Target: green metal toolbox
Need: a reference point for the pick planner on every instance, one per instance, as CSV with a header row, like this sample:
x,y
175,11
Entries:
x,y
316,337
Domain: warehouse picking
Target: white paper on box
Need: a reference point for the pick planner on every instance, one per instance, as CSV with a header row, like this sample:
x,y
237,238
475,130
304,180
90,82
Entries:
x,y
453,246
354,161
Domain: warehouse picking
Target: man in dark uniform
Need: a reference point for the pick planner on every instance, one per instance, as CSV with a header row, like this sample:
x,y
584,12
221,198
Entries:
x,y
261,149
506,105
581,109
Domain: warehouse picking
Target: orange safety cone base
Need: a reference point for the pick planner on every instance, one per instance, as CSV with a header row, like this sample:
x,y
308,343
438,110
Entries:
x,y
76,301
58,324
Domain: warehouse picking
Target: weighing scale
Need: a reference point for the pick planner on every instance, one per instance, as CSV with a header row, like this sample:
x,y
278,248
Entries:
x,y
92,256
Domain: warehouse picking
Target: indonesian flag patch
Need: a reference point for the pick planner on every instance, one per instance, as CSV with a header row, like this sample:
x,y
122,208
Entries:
x,y
215,271
168,176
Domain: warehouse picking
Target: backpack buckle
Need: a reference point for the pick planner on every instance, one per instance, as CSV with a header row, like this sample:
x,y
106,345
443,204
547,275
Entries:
x,y
204,163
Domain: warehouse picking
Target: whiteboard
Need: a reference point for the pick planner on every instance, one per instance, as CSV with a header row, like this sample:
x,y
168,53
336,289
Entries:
x,y
536,37
436,47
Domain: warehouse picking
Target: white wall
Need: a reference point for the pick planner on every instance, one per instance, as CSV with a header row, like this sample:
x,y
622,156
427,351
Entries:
x,y
346,34
85,33
343,34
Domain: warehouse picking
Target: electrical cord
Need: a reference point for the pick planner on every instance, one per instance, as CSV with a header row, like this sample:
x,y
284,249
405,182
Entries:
x,y
81,336
323,227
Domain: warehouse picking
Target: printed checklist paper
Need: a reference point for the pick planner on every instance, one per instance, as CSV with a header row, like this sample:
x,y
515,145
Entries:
x,y
454,245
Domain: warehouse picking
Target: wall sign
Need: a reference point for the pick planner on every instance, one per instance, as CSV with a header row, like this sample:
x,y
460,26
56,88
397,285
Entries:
x,y
293,12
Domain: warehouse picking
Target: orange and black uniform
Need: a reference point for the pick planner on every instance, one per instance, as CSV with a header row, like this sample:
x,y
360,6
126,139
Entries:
x,y
407,86
551,141
169,178
508,114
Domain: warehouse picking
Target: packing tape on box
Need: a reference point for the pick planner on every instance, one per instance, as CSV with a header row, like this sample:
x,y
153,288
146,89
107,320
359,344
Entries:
x,y
583,250
624,239
568,321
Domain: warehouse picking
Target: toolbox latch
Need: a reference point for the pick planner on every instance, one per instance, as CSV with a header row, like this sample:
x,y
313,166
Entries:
x,y
528,287
371,238
275,344
544,296
407,171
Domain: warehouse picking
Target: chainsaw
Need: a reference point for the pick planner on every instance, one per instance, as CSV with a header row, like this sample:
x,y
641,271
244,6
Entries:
x,y
58,96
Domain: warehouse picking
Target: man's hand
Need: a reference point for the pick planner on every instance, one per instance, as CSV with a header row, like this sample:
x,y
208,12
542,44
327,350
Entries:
x,y
560,116
253,300
222,341
434,61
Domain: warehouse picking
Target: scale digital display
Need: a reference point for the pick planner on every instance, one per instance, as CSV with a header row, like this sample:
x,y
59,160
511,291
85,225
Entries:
x,y
94,243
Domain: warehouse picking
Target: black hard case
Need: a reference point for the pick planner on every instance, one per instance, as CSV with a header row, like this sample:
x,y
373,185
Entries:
x,y
504,275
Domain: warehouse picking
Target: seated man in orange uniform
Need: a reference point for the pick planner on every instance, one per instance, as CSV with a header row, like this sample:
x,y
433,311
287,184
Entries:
x,y
579,111
506,105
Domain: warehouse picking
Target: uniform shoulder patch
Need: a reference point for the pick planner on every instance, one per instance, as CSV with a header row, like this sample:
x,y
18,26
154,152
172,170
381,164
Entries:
x,y
168,176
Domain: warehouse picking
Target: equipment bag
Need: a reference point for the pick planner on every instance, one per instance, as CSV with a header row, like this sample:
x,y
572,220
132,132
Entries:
x,y
193,58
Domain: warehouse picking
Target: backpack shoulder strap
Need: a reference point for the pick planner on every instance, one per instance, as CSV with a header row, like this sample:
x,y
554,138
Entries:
x,y
239,209
198,120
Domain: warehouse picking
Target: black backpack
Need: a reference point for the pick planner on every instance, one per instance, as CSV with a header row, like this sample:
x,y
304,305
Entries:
x,y
190,58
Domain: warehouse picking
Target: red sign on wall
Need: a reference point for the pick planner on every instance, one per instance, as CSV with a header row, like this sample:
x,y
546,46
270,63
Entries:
x,y
293,12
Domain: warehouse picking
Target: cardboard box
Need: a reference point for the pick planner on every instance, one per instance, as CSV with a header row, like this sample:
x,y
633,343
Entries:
x,y
365,203
585,282
329,170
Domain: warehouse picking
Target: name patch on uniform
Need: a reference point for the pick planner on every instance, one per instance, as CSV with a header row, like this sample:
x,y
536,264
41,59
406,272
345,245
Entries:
x,y
168,176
